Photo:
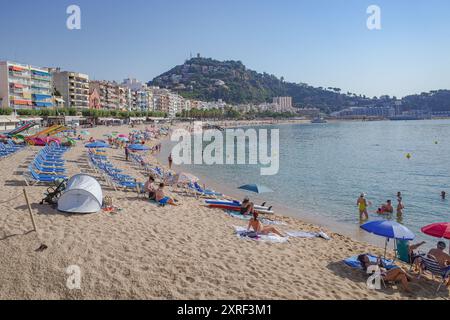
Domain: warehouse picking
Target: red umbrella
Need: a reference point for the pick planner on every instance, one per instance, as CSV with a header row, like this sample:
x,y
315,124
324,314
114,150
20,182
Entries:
x,y
438,230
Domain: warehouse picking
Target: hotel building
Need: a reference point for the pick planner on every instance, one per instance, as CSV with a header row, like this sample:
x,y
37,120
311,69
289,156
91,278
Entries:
x,y
24,86
73,87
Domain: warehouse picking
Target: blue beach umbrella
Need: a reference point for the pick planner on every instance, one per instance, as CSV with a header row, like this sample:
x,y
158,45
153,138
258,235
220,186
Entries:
x,y
138,147
97,145
389,230
256,188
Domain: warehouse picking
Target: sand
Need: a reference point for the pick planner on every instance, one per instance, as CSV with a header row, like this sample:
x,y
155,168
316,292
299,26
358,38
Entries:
x,y
149,252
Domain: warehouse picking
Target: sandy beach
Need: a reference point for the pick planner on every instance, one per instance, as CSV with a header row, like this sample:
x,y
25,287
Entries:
x,y
148,252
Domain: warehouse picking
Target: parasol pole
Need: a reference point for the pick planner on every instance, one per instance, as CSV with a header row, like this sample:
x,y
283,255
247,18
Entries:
x,y
385,247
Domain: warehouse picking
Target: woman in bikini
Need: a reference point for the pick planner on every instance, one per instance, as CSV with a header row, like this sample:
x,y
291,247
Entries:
x,y
258,227
392,275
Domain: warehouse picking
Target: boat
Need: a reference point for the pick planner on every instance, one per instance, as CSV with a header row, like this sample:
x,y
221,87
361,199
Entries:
x,y
319,120
234,205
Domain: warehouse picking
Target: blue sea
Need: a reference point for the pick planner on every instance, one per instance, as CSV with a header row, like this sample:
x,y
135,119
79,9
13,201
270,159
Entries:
x,y
325,167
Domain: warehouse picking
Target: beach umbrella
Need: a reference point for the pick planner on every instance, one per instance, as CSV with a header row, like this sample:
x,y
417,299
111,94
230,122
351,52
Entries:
x,y
438,230
85,133
122,136
256,188
389,230
138,147
97,145
123,139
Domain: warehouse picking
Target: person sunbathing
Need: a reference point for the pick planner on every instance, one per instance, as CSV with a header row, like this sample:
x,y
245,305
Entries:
x,y
392,275
258,227
162,199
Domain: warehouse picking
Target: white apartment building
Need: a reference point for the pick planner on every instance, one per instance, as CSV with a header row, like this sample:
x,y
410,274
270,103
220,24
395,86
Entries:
x,y
25,87
283,103
73,86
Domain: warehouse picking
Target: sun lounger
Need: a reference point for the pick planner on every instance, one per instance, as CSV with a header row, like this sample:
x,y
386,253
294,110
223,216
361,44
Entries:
x,y
42,178
50,170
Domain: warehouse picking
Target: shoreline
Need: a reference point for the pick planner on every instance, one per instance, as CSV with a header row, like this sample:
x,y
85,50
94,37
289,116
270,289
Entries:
x,y
172,253
354,232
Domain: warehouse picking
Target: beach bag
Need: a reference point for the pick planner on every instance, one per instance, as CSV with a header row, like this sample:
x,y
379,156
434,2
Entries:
x,y
107,202
251,234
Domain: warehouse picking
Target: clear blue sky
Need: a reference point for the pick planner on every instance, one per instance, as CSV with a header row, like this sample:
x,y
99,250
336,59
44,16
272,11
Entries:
x,y
320,42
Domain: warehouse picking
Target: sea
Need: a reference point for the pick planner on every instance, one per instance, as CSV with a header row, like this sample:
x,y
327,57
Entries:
x,y
325,167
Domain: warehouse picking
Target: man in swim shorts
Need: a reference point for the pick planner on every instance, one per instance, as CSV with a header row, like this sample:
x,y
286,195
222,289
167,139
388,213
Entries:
x,y
162,199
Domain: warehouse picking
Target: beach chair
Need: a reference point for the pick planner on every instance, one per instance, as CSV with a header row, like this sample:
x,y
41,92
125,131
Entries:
x,y
48,170
37,178
49,163
431,265
206,191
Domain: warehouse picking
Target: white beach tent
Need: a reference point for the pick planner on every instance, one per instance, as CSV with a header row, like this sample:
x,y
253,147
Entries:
x,y
82,195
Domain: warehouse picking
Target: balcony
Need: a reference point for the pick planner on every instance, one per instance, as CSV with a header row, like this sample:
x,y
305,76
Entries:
x,y
40,84
15,74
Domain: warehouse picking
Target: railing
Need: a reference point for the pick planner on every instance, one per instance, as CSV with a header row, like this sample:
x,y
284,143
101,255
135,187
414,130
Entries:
x,y
41,84
20,81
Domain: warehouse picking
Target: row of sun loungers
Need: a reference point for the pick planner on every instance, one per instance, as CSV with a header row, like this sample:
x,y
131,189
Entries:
x,y
48,166
9,148
171,179
113,176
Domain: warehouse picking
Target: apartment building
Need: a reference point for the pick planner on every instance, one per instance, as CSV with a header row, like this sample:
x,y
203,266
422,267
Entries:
x,y
25,87
109,94
142,97
283,103
73,87
124,96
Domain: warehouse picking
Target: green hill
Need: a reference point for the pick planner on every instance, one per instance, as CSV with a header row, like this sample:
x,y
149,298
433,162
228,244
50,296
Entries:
x,y
209,80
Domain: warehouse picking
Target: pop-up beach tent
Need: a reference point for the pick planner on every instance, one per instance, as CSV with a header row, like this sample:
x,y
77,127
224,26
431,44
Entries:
x,y
82,195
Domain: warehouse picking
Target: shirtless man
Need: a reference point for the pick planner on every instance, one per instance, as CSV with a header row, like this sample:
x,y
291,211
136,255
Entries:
x,y
161,198
258,227
362,205
386,208
440,255
149,188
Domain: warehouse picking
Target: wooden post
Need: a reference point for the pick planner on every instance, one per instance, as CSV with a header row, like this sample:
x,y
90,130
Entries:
x,y
29,209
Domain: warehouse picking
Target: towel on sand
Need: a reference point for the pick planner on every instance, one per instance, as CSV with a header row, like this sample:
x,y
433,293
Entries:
x,y
302,234
265,221
241,232
354,263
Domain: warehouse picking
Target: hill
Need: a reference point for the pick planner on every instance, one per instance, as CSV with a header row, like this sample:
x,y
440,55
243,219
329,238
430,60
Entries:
x,y
207,79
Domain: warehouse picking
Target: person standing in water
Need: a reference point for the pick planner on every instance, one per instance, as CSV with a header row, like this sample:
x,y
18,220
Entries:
x,y
362,205
400,207
443,195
